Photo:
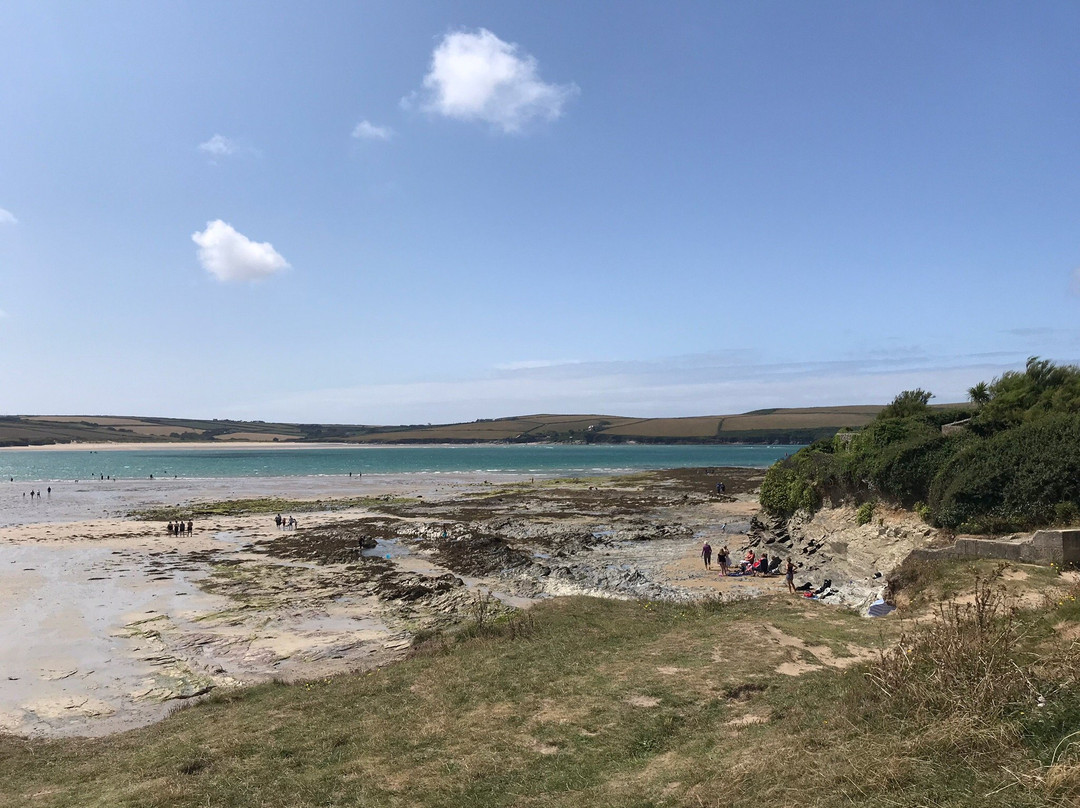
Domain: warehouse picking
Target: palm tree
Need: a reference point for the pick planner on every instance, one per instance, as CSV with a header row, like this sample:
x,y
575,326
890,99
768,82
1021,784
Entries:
x,y
979,394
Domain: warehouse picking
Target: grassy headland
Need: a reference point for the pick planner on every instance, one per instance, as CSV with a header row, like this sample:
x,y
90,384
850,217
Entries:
x,y
763,426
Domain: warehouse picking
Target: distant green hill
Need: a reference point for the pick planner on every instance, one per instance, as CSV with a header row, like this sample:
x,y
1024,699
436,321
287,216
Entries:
x,y
796,425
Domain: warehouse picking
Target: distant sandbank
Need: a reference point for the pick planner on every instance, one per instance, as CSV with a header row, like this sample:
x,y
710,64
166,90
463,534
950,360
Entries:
x,y
151,446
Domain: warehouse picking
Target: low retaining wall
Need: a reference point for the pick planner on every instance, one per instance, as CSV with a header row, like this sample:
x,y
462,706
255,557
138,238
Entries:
x,y
1044,547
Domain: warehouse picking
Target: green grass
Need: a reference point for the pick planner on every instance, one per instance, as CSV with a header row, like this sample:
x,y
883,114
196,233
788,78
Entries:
x,y
583,703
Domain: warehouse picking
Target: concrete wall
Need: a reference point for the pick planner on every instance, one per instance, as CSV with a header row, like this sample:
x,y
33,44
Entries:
x,y
1044,547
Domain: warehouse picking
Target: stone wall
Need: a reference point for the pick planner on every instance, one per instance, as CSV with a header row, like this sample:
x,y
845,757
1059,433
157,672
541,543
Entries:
x,y
1044,547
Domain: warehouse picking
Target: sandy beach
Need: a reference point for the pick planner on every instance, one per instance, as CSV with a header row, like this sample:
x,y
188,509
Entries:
x,y
107,621
135,446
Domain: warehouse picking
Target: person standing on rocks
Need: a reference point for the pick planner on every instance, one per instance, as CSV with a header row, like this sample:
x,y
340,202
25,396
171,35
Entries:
x,y
706,553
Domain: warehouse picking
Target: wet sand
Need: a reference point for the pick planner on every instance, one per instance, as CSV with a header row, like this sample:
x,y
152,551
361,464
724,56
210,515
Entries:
x,y
99,499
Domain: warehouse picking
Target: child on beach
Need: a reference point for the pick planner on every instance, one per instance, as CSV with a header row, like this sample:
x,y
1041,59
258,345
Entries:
x,y
723,559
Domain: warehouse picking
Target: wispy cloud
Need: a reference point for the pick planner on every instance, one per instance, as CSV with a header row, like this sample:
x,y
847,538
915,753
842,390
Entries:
x,y
7,217
365,130
529,364
676,386
479,77
232,256
3,314
218,146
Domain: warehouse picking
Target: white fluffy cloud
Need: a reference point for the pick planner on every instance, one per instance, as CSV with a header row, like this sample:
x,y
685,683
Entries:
x,y
7,217
478,77
365,130
232,256
218,146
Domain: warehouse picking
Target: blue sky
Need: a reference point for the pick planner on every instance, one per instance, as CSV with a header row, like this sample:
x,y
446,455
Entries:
x,y
389,212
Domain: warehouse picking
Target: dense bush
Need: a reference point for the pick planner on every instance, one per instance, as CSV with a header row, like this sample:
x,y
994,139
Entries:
x,y
794,483
1016,466
1017,397
1022,477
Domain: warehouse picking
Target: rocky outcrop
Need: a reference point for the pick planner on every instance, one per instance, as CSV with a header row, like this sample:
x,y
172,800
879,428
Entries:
x,y
830,546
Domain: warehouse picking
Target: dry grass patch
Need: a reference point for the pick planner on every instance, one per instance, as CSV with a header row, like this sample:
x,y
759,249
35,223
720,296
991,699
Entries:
x,y
607,703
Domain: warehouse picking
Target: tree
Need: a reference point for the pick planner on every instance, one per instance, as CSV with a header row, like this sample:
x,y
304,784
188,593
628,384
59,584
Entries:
x,y
907,403
979,394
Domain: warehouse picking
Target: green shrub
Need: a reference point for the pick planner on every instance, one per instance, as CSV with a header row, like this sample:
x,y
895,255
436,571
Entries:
x,y
1066,513
864,513
800,482
907,403
1013,479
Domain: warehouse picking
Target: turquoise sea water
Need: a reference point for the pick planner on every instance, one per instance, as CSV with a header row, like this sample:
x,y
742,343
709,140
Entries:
x,y
252,462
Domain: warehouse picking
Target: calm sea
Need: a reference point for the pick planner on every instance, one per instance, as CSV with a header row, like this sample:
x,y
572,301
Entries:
x,y
252,462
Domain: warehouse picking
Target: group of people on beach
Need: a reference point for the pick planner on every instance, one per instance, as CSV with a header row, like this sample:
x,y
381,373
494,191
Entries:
x,y
34,493
285,522
751,565
178,528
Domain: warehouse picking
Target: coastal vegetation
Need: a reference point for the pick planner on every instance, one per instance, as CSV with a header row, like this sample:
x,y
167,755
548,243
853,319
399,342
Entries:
x,y
585,702
1008,461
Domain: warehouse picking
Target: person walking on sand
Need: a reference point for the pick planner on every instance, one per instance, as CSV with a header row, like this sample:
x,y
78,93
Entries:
x,y
189,523
706,553
789,576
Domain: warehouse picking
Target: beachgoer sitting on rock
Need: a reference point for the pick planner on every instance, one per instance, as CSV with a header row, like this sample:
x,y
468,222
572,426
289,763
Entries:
x,y
748,562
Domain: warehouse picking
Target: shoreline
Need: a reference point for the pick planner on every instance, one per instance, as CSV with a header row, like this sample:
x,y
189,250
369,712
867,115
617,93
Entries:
x,y
141,446
71,501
